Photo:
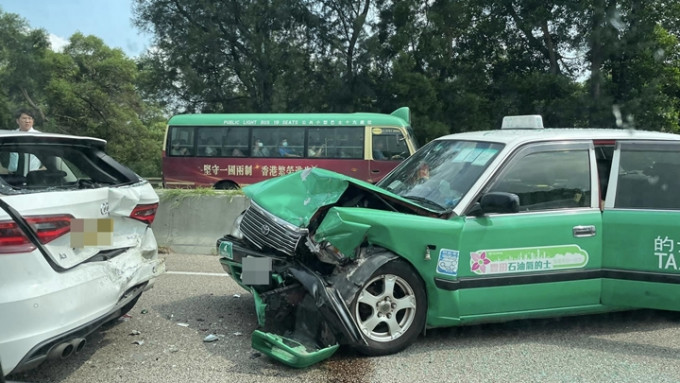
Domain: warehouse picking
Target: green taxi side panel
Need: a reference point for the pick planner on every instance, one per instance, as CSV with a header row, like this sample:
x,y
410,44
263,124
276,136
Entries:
x,y
427,243
642,259
515,263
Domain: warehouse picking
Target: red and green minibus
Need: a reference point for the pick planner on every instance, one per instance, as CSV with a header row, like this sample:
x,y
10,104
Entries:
x,y
227,151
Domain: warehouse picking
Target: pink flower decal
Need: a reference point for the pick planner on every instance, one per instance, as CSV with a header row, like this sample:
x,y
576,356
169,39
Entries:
x,y
479,262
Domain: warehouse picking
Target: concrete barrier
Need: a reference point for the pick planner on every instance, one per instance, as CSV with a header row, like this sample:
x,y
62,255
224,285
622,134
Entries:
x,y
193,223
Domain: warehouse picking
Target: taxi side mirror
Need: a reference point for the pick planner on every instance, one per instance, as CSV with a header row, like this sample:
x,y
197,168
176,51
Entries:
x,y
499,202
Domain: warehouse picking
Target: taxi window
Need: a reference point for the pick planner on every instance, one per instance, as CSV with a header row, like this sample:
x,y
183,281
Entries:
x,y
649,177
548,180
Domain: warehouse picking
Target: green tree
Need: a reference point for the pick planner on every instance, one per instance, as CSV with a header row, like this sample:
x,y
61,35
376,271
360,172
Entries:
x,y
459,64
644,70
89,89
224,56
23,69
92,92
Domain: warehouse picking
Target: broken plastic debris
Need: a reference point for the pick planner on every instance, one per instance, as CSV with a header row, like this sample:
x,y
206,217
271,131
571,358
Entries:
x,y
238,333
138,342
134,332
237,295
183,324
173,348
145,311
210,338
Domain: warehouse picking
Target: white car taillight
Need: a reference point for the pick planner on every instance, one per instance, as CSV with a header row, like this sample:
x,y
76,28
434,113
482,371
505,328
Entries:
x,y
47,228
145,213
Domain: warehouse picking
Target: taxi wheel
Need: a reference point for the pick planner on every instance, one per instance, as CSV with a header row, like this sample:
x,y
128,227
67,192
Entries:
x,y
390,309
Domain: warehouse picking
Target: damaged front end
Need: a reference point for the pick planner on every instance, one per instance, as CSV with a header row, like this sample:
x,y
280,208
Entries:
x,y
302,267
302,319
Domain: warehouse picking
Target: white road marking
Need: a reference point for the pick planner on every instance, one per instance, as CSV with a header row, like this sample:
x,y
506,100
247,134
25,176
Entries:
x,y
197,273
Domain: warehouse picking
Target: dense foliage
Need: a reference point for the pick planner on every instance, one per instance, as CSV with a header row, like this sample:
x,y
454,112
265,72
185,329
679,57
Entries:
x,y
88,89
458,64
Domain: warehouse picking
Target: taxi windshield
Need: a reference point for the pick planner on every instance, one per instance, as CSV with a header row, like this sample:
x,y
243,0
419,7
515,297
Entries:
x,y
441,173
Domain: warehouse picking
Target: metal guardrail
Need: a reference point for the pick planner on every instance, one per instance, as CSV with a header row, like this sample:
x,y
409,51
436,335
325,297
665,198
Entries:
x,y
156,182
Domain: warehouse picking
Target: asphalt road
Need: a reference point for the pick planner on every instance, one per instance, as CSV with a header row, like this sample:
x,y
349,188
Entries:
x,y
195,299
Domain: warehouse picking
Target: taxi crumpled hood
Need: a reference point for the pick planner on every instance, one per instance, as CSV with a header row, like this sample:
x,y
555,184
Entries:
x,y
296,197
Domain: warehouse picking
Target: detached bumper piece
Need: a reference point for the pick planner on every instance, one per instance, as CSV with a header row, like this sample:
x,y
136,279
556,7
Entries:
x,y
289,351
302,319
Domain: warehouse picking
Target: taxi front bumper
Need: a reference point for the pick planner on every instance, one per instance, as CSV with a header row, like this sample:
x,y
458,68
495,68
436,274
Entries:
x,y
303,318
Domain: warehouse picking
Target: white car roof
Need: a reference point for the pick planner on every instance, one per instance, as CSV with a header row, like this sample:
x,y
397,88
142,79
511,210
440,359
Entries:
x,y
513,137
18,133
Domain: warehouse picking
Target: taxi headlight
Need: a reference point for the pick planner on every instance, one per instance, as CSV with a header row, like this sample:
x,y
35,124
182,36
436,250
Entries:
x,y
236,227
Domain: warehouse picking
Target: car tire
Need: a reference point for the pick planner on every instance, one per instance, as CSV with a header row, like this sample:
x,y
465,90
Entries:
x,y
390,309
226,185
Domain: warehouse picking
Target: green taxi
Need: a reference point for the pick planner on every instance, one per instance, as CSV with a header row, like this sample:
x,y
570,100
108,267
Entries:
x,y
521,222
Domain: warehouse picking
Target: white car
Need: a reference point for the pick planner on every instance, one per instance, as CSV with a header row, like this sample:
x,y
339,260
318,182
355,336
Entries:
x,y
76,247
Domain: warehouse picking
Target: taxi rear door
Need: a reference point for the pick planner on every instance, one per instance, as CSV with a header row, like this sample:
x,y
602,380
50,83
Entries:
x,y
641,227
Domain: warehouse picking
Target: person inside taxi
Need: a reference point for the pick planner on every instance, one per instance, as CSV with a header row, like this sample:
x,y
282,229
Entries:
x,y
422,173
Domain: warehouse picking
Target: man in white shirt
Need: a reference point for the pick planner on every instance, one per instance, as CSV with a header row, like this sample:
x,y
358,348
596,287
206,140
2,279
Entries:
x,y
25,121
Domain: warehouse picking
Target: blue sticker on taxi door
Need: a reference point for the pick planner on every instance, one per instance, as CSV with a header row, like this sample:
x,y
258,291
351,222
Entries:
x,y
447,263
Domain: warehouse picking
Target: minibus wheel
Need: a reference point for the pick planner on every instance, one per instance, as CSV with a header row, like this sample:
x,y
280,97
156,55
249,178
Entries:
x,y
226,185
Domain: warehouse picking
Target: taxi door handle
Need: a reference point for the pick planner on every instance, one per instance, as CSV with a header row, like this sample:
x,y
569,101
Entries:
x,y
584,231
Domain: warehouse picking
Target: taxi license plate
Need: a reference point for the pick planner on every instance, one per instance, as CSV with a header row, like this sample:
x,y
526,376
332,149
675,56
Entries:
x,y
256,270
227,250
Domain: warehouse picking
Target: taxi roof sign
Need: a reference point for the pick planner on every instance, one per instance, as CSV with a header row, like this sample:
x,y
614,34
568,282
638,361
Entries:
x,y
530,121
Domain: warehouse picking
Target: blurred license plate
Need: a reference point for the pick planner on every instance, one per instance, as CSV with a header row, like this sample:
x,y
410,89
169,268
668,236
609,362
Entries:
x,y
256,270
91,232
